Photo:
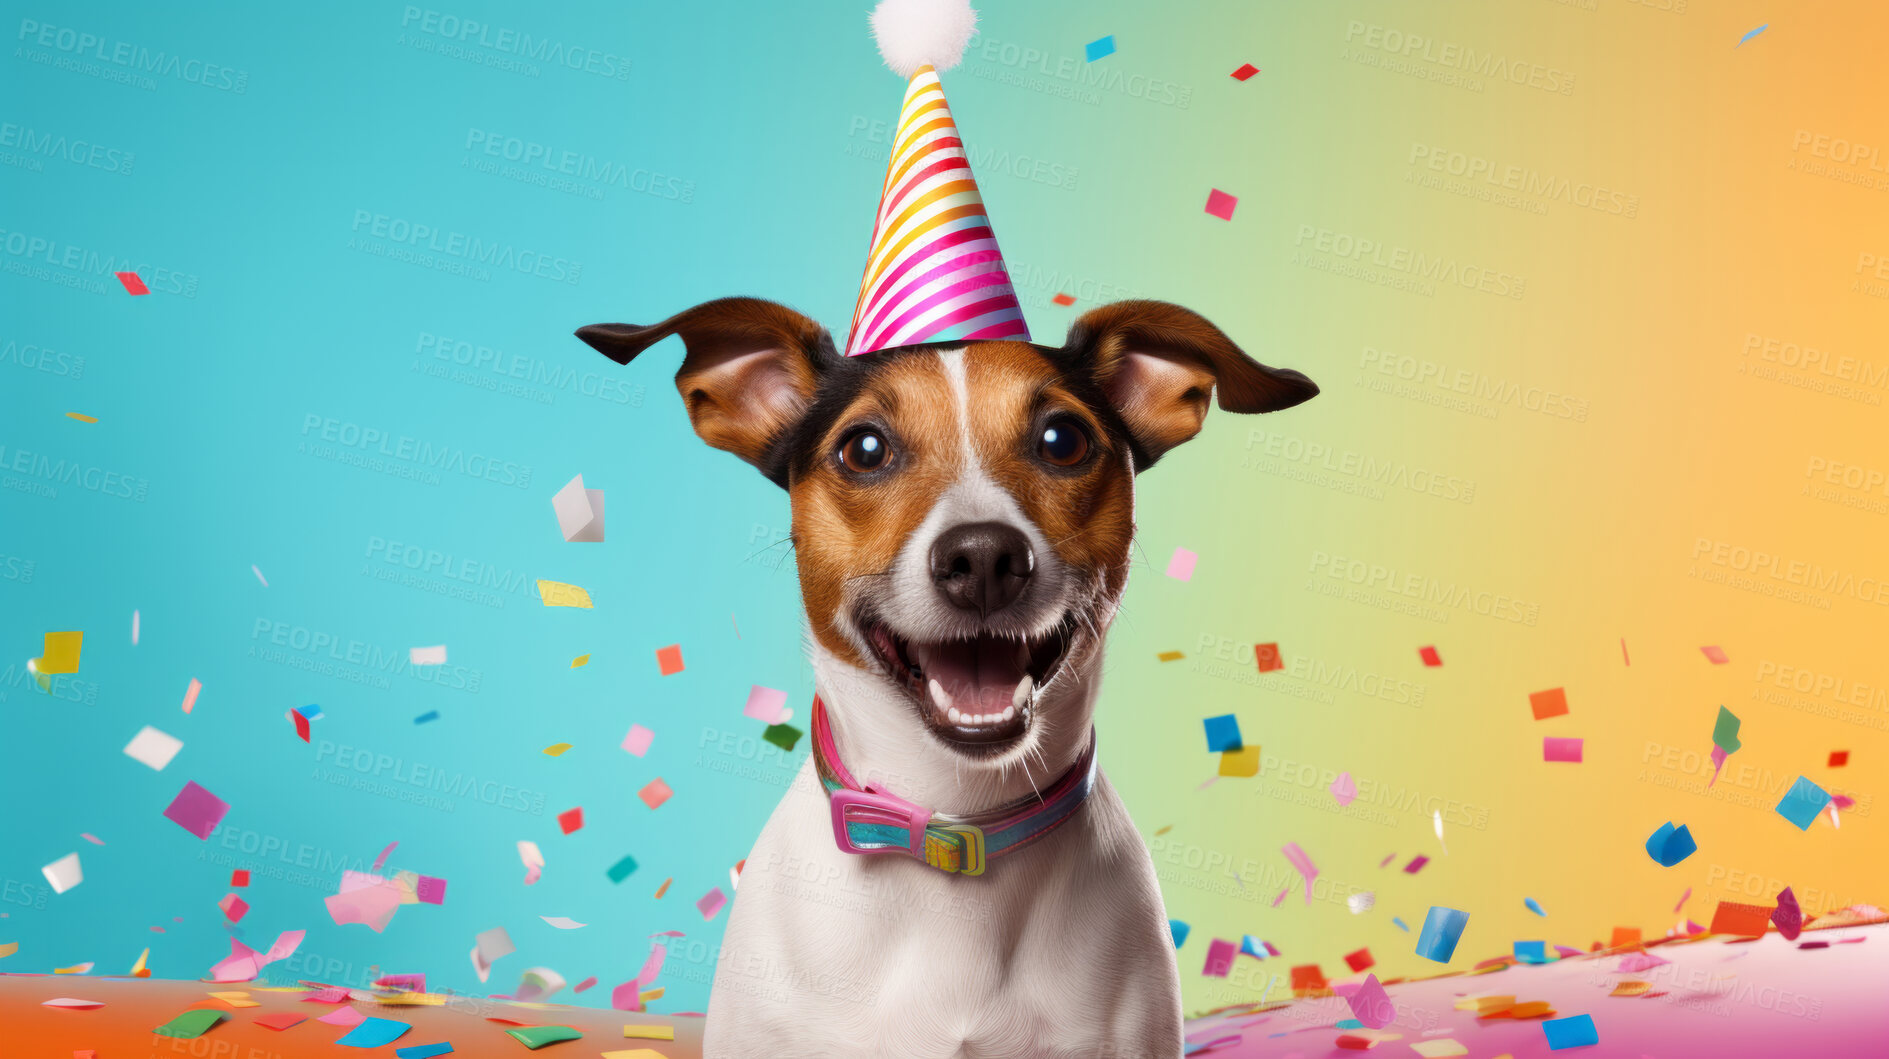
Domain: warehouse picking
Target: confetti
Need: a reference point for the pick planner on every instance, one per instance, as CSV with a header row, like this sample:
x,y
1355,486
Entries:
x,y
430,891
765,704
60,653
536,1037
556,749
1625,938
1220,955
1623,652
533,860
1439,1048
1839,758
1169,656
1099,48
710,903
64,873
585,984
580,660
1437,817
198,811
190,694
93,839
1550,703
637,742
650,1033
1304,865
1241,762
1361,902
73,1003
1220,204
1558,749
1400,924
1715,655
77,968
1181,565
1725,731
300,721
153,748
1669,845
571,819
1063,299
579,512
1245,71
669,659
1388,857
783,736
1429,656
191,1024
280,1020
427,656
1740,44
1267,655
559,594
1535,906
234,908
1573,1032
430,715
1442,929
1531,951
563,922
1344,789
1788,915
1734,917
135,286
1416,864
244,963
1223,733
134,623
490,947
1802,803
254,569
621,870
654,793
664,888
1361,960
424,1051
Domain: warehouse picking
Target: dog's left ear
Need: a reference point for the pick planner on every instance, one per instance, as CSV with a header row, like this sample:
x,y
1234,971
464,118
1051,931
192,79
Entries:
x,y
750,372
1159,364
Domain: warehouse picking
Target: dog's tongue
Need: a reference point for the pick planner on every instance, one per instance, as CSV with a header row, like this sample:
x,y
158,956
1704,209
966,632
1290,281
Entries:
x,y
980,675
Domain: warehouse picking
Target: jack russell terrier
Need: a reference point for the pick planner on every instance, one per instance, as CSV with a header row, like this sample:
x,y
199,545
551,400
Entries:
x,y
951,874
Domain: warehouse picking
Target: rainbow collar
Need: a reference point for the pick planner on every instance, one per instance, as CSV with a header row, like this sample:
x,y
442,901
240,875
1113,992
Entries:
x,y
869,820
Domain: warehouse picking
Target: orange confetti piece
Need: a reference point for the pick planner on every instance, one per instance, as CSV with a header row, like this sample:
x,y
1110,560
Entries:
x,y
81,417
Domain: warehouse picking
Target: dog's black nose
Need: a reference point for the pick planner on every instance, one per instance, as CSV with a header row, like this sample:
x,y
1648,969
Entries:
x,y
981,566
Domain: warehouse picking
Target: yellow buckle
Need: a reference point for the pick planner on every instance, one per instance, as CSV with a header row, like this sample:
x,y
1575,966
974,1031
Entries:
x,y
971,846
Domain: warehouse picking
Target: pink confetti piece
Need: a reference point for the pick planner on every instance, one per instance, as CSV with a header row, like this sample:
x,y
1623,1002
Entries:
x,y
1718,762
1554,748
190,694
654,793
1304,865
93,839
258,572
1388,857
1181,565
133,285
711,902
1220,955
585,984
196,810
1623,652
343,1016
244,963
1416,864
430,890
382,859
72,1002
533,860
1220,204
1683,898
764,704
1281,897
1344,789
1715,655
637,742
234,907
1371,1004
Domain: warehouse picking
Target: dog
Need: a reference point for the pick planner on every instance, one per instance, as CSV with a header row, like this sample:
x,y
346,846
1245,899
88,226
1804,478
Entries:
x,y
963,517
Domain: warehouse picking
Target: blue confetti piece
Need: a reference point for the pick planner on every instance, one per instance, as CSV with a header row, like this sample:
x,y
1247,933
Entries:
x,y
1179,930
1348,1024
1802,803
424,1051
1442,929
372,1033
430,715
1105,46
1531,951
1533,906
1670,845
1252,946
1740,44
1574,1032
311,712
1223,733
1400,924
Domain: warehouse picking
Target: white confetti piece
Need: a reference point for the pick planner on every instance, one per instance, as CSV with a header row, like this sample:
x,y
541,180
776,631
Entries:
x,y
153,748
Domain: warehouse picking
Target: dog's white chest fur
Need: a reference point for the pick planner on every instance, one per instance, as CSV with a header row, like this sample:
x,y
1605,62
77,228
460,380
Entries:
x,y
834,954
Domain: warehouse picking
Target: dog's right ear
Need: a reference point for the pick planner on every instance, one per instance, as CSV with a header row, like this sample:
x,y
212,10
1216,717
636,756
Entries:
x,y
749,374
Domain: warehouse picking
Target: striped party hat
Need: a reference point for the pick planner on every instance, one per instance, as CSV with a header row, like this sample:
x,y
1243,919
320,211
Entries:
x,y
934,273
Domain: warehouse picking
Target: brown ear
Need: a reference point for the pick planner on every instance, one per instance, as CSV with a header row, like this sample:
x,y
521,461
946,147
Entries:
x,y
749,373
1158,364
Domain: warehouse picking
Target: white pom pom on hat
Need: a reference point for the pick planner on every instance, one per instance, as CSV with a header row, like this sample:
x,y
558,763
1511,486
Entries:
x,y
915,33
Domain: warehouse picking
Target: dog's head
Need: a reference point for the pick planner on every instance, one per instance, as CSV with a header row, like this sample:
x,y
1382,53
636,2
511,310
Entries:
x,y
962,514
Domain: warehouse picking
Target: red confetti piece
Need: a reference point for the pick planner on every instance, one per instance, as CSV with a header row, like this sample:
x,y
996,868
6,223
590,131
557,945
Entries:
x,y
1245,71
669,659
1715,655
132,283
1063,299
1267,655
239,877
1839,758
571,819
1429,656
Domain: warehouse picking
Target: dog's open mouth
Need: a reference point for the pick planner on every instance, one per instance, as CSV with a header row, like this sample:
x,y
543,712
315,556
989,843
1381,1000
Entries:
x,y
977,691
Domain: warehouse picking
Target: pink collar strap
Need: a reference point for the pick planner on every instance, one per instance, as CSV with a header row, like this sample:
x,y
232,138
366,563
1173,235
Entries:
x,y
869,820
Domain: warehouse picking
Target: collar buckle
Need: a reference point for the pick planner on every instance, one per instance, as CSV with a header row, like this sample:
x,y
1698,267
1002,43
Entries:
x,y
878,816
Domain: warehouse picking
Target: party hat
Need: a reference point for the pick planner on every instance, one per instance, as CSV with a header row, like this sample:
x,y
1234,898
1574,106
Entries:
x,y
934,273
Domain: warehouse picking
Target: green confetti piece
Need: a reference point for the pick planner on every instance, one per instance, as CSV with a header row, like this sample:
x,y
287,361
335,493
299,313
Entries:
x,y
536,1037
621,869
1725,732
783,736
191,1024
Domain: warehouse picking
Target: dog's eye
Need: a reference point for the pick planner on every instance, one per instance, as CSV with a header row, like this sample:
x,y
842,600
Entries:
x,y
1064,443
864,452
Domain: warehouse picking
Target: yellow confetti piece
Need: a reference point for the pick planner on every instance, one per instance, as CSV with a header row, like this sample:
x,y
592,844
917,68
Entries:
x,y
81,417
9,949
648,995
1164,830
559,594
1484,1003
634,1053
557,749
580,660
62,652
650,1033
236,1000
77,968
1169,656
1631,987
412,999
138,969
1241,762
1439,1048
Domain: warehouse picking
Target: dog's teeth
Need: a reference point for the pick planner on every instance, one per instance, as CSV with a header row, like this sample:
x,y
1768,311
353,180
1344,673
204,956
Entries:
x,y
1022,694
956,717
1009,712
939,696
